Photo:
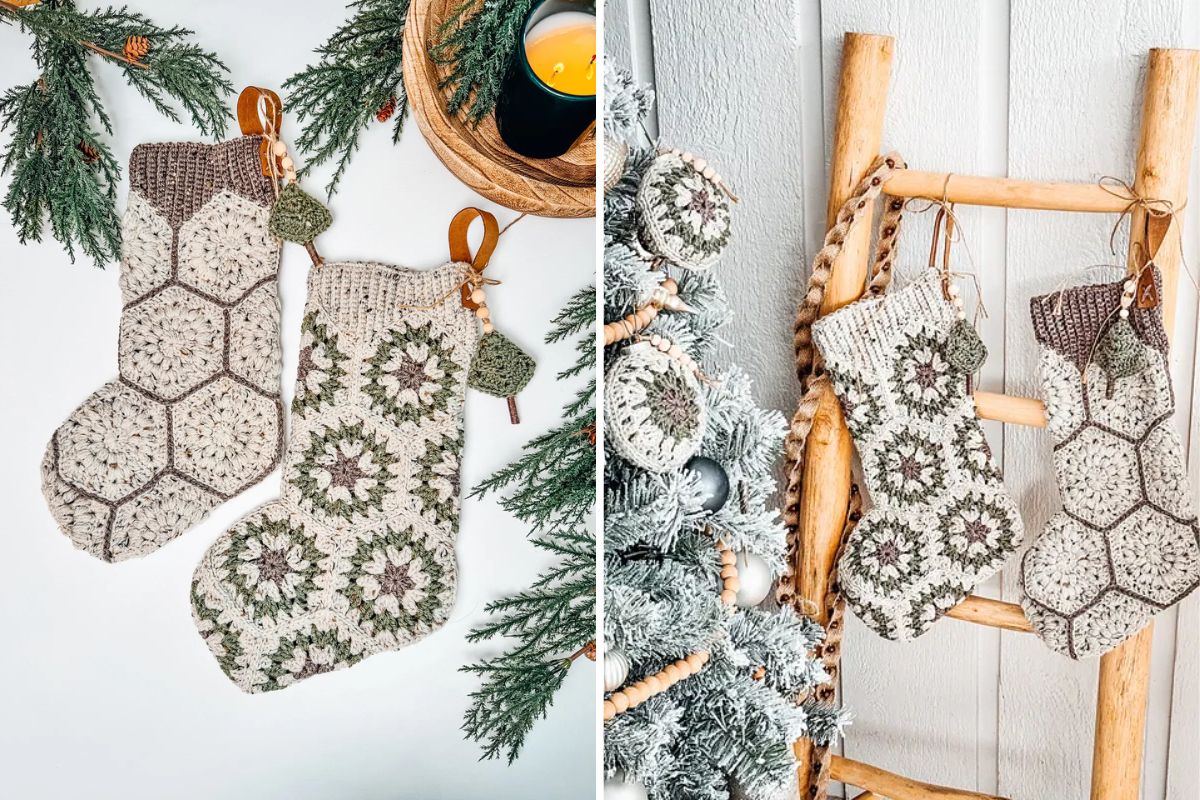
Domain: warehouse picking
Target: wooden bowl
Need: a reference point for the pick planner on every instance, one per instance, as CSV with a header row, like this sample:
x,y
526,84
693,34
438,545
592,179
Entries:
x,y
552,187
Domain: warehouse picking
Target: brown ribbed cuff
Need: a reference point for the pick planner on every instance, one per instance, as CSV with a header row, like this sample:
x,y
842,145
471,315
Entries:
x,y
178,178
1071,321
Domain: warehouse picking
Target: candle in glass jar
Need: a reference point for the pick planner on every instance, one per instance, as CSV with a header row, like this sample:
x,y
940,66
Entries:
x,y
561,50
548,99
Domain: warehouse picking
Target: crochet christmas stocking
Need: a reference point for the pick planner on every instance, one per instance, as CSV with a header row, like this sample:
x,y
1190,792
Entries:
x,y
357,556
195,416
941,520
1126,544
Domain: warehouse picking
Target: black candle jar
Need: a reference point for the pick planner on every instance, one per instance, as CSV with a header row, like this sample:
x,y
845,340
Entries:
x,y
535,119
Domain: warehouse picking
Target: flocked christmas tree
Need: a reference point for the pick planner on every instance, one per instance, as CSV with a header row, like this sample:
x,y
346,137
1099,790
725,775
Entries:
x,y
705,691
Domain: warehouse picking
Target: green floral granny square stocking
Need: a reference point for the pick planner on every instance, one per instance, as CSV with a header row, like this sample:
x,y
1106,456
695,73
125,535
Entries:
x,y
1126,544
357,556
195,417
941,521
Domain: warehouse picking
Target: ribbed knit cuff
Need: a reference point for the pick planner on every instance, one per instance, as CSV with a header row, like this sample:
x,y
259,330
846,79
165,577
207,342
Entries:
x,y
1071,321
867,331
180,177
370,296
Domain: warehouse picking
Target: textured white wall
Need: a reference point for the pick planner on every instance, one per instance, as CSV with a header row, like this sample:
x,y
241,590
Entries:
x,y
106,690
1028,88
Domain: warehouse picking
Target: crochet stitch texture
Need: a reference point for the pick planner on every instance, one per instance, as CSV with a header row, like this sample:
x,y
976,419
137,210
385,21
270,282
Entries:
x,y
1126,544
195,416
357,555
942,521
654,410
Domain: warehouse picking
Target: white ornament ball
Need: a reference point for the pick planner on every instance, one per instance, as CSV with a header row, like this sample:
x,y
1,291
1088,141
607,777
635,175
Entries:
x,y
616,788
755,578
616,669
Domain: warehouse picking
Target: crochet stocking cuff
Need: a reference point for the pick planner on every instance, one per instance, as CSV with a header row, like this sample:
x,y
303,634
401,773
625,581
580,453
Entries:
x,y
866,333
369,297
178,178
1073,320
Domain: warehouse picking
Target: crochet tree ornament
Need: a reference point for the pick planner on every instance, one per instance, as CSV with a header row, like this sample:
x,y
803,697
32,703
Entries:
x,y
1126,544
501,369
297,216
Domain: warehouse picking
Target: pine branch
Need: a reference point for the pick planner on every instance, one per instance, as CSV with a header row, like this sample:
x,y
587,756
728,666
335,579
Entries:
x,y
515,694
555,492
360,70
63,173
478,46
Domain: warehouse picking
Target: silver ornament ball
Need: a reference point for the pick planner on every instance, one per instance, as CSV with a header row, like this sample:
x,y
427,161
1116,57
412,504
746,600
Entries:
x,y
616,788
616,668
755,578
714,482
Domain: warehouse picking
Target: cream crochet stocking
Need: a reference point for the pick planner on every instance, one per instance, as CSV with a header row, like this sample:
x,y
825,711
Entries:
x,y
941,521
195,416
357,556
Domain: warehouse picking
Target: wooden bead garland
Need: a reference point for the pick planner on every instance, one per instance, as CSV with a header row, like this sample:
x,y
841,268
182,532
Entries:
x,y
639,692
665,296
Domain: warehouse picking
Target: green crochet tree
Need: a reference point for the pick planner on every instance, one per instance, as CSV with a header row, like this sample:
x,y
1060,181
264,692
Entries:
x,y
63,173
500,369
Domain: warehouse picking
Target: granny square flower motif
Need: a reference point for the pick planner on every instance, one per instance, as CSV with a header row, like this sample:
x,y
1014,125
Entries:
x,y
684,216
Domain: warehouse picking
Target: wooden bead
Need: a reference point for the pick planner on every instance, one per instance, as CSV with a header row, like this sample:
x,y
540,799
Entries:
x,y
287,164
673,673
655,340
279,148
728,558
700,164
682,666
695,662
654,685
675,351
704,656
670,285
619,700
483,313
728,597
610,710
664,345
729,571
478,296
610,335
733,584
488,327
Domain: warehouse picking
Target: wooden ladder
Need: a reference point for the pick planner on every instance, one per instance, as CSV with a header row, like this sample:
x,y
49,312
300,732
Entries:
x,y
1163,161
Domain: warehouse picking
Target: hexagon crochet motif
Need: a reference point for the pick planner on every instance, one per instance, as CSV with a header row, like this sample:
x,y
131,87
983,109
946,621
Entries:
x,y
195,416
1127,543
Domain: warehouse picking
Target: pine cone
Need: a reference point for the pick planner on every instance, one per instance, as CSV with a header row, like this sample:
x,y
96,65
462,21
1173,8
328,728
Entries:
x,y
136,47
90,154
386,110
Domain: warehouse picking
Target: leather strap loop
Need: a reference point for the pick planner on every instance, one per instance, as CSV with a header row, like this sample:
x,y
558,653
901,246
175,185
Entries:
x,y
460,248
251,105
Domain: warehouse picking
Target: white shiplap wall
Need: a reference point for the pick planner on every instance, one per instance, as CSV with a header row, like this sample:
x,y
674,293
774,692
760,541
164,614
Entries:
x,y
1029,88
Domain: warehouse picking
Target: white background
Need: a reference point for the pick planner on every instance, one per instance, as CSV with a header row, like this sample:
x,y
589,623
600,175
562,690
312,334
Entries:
x,y
1044,89
106,690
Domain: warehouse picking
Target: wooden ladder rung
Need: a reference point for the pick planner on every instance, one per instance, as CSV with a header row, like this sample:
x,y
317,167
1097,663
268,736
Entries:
x,y
1006,408
893,786
977,190
993,613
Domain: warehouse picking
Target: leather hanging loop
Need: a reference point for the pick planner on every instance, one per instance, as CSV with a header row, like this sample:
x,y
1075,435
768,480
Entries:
x,y
460,248
260,113
1157,226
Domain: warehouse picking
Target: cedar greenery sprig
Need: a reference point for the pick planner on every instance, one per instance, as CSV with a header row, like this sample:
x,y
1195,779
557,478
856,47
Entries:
x,y
360,72
553,490
478,48
63,173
